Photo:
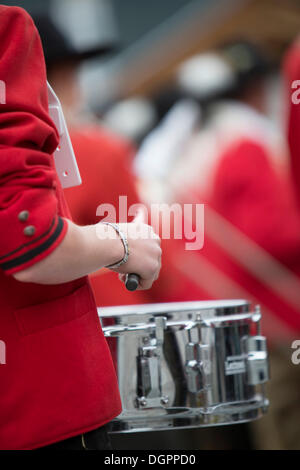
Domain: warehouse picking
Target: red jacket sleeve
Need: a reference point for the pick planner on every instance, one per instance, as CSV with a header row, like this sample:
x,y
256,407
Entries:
x,y
30,225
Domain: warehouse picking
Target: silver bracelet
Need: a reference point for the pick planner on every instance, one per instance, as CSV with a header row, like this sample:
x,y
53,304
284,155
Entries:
x,y
125,244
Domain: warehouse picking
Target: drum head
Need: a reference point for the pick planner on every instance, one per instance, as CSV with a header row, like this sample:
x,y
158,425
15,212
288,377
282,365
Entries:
x,y
219,306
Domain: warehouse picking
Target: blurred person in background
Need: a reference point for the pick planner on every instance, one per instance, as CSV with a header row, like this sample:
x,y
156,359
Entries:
x,y
238,166
132,118
103,157
237,159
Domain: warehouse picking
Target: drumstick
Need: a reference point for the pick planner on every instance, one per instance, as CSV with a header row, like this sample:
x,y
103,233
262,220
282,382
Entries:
x,y
132,281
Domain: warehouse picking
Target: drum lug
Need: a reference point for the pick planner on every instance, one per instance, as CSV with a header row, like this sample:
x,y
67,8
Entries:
x,y
257,363
141,402
164,400
195,367
149,389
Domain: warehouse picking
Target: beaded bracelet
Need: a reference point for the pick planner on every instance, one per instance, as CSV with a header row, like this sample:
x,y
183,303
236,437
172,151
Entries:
x,y
125,244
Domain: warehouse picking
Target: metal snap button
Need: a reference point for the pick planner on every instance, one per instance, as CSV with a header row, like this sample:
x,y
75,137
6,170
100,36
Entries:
x,y
29,230
23,216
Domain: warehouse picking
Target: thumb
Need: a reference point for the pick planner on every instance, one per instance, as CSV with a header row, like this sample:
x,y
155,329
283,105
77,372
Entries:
x,y
141,215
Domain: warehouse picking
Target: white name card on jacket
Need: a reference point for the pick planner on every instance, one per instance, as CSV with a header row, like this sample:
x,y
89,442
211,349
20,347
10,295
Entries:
x,y
64,157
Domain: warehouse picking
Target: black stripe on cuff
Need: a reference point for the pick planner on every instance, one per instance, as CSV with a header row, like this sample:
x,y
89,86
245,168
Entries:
x,y
29,255
34,240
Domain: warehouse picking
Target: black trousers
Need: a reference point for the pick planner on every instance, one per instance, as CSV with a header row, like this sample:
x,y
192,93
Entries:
x,y
97,439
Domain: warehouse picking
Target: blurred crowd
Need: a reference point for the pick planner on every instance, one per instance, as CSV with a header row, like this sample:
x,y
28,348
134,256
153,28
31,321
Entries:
x,y
209,136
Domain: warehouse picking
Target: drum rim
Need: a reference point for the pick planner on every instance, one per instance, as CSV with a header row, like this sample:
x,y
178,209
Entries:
x,y
171,307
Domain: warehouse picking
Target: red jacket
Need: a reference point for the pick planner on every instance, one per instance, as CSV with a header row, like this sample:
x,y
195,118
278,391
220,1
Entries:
x,y
58,380
260,204
252,239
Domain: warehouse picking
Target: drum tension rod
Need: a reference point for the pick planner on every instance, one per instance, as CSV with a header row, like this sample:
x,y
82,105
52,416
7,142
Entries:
x,y
149,385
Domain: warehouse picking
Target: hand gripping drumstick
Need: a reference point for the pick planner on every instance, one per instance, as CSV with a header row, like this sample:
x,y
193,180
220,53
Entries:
x,y
133,280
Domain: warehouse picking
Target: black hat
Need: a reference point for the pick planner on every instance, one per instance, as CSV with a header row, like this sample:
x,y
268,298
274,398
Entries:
x,y
58,48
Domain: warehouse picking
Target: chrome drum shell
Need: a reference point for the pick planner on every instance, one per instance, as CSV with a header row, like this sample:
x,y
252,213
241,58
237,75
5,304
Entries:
x,y
187,364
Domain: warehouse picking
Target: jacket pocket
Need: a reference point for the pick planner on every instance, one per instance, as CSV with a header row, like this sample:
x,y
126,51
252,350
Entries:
x,y
55,312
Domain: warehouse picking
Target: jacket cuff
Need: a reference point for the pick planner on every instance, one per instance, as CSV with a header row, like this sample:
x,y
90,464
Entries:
x,y
37,249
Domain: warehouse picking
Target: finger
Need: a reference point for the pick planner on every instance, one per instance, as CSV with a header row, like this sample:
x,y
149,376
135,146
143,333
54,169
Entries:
x,y
122,277
158,271
115,270
145,284
140,215
155,237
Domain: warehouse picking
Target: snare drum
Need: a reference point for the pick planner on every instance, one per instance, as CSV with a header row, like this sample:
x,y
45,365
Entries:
x,y
187,364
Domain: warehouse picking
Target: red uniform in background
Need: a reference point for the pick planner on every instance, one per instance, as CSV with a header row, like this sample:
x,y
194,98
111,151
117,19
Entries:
x,y
252,224
58,380
255,223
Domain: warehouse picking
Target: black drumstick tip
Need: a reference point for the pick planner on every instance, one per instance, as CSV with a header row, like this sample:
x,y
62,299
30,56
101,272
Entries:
x,y
132,282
